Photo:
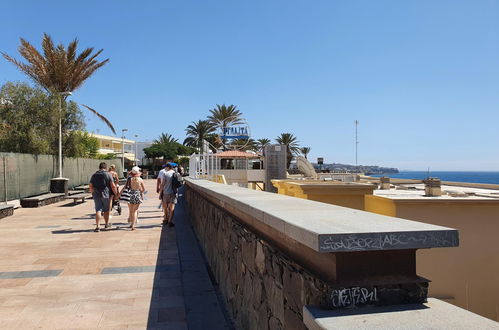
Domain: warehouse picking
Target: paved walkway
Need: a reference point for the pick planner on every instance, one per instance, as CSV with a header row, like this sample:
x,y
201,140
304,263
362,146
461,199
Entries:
x,y
55,272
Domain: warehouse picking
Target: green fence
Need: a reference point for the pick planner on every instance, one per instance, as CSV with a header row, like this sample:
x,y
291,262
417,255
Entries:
x,y
24,175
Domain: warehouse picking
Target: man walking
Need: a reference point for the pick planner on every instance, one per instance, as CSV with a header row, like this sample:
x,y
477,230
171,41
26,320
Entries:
x,y
101,186
165,187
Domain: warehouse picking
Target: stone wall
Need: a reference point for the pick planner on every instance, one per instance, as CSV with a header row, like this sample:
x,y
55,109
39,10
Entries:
x,y
269,255
262,287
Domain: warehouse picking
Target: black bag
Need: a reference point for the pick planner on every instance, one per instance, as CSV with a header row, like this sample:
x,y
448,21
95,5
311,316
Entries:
x,y
100,182
177,181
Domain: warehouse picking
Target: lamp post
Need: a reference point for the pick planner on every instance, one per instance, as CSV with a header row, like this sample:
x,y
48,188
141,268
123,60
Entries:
x,y
136,160
61,95
123,148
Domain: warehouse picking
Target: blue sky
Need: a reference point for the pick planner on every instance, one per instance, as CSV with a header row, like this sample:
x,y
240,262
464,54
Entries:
x,y
422,77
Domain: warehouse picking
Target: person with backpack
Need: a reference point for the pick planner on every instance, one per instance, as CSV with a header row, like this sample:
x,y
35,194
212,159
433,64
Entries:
x,y
101,186
167,185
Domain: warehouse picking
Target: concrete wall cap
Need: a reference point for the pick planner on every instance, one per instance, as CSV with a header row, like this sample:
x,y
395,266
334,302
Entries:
x,y
329,228
435,314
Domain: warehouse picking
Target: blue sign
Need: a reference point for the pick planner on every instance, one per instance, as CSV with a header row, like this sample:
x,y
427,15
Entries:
x,y
235,132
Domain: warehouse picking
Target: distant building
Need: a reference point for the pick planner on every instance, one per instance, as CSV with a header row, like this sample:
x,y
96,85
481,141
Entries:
x,y
233,167
115,145
141,156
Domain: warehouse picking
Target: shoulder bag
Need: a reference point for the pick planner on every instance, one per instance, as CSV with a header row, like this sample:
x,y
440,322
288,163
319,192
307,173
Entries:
x,y
125,194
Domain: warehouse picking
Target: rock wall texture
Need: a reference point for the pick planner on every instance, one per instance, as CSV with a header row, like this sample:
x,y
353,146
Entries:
x,y
266,289
6,211
262,287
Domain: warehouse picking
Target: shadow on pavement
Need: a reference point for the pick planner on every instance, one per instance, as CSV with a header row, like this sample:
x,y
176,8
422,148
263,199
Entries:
x,y
72,231
71,204
186,296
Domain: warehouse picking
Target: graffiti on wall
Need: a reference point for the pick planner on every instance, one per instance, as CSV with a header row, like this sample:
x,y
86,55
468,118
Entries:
x,y
354,296
387,241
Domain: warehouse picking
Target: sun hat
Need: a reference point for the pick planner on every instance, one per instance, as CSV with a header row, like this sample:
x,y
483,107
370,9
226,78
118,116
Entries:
x,y
135,170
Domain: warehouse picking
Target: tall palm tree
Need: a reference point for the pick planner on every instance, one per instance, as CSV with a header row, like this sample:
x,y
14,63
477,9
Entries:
x,y
165,138
291,143
60,71
223,116
197,132
261,143
305,151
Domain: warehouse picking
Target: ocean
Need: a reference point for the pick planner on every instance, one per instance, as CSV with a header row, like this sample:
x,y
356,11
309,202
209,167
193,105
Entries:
x,y
474,177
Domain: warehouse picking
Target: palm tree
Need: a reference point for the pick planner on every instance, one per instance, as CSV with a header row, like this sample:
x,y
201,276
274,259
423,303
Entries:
x,y
223,116
291,143
165,138
245,144
305,151
197,132
261,143
60,71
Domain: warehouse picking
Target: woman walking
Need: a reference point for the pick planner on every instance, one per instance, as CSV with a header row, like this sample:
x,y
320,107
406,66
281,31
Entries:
x,y
136,186
116,180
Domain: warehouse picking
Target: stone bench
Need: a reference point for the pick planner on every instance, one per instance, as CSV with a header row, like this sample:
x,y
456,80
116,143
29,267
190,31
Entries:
x,y
84,188
42,200
77,197
6,210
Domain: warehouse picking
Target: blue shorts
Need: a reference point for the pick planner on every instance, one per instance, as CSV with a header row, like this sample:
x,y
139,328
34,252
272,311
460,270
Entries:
x,y
101,203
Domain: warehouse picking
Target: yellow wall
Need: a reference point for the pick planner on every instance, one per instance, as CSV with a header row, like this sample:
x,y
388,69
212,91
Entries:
x,y
342,194
467,276
354,201
281,186
380,205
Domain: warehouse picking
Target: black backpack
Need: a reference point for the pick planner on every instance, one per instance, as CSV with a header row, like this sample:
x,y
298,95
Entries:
x,y
177,181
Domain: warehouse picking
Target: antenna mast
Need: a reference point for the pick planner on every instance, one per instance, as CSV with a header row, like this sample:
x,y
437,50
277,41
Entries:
x,y
356,143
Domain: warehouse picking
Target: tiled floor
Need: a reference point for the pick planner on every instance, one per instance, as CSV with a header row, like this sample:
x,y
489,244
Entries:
x,y
56,273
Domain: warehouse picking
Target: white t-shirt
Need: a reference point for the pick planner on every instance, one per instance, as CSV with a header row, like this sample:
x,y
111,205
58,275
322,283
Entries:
x,y
166,180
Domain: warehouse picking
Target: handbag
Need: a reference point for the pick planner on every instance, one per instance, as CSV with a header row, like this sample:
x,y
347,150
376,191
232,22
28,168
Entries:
x,y
125,193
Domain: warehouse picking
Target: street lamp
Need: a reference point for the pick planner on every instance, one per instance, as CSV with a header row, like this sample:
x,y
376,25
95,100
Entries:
x,y
136,136
123,148
61,95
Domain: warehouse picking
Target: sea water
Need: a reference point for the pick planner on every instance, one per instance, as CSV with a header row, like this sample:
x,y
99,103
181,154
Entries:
x,y
473,177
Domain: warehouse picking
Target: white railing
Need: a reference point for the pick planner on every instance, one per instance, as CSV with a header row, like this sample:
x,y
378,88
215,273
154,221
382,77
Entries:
x,y
204,166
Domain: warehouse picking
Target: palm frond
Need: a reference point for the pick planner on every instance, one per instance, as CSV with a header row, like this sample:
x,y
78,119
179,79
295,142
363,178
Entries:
x,y
57,69
223,115
101,117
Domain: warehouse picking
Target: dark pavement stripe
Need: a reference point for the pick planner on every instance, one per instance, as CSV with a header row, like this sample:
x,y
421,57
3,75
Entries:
x,y
30,274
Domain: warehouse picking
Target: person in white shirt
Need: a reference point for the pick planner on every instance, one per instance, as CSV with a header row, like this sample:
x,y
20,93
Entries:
x,y
168,195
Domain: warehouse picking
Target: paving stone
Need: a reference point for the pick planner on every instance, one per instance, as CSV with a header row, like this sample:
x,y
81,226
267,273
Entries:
x,y
58,273
171,314
30,273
